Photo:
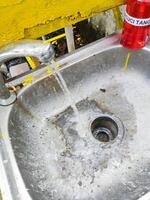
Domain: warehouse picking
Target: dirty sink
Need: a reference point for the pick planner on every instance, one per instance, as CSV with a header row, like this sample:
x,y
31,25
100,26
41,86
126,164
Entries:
x,y
45,155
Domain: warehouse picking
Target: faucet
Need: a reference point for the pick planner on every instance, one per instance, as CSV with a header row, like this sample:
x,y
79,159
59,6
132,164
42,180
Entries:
x,y
44,52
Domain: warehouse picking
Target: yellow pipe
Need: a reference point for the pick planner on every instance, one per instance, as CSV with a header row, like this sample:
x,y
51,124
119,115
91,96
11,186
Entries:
x,y
55,38
127,61
118,17
31,62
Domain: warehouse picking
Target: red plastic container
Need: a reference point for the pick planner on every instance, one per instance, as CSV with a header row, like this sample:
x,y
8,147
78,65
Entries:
x,y
137,24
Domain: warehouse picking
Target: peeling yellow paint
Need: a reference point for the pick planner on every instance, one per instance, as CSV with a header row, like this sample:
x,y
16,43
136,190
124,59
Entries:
x,y
33,18
28,80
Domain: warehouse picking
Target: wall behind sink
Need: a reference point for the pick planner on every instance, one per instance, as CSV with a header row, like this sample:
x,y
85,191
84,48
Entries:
x,y
34,18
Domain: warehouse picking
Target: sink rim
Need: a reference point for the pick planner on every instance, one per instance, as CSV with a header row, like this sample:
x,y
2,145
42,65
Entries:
x,y
6,150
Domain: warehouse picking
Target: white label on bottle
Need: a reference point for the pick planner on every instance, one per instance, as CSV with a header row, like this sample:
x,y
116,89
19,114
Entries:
x,y
137,21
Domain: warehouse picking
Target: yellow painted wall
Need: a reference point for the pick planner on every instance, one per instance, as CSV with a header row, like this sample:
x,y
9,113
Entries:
x,y
33,18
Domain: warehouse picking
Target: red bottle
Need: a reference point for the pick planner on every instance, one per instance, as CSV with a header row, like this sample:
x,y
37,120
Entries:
x,y
137,24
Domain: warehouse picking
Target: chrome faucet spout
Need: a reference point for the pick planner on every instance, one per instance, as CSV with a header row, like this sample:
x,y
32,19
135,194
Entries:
x,y
34,48
44,52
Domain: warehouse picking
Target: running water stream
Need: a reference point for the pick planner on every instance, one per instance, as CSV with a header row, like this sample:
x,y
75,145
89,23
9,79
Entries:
x,y
66,92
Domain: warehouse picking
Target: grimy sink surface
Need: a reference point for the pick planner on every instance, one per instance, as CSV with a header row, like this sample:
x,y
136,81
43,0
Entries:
x,y
102,155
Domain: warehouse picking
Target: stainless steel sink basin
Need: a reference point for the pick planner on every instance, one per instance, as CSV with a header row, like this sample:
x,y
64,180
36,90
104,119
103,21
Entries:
x,y
44,153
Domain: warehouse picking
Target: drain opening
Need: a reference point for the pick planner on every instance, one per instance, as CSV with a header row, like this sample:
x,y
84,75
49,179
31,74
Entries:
x,y
104,129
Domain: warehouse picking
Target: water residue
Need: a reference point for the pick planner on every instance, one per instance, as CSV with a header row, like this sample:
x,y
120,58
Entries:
x,y
62,165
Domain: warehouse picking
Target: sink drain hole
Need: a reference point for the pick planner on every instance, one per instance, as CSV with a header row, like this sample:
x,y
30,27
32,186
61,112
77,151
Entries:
x,y
104,129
